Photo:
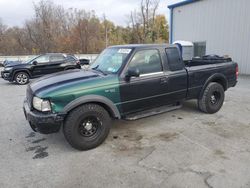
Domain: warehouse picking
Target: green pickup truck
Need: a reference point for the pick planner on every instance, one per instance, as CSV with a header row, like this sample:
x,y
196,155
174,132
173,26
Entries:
x,y
125,82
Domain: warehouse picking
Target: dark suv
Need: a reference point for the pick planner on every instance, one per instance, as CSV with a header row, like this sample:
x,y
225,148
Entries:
x,y
39,66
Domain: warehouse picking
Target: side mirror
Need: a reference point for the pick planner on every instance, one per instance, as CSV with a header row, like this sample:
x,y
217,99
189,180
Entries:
x,y
34,63
84,61
132,72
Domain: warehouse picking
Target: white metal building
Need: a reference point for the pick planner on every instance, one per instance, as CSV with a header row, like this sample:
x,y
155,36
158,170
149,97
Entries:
x,y
215,26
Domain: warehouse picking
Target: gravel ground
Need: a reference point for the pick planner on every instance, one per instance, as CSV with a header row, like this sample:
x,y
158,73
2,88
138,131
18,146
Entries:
x,y
182,148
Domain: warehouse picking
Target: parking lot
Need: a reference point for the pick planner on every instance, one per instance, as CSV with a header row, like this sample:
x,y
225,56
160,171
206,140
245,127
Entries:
x,y
182,148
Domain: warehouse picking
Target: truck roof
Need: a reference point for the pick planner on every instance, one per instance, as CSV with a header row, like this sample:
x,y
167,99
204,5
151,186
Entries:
x,y
143,45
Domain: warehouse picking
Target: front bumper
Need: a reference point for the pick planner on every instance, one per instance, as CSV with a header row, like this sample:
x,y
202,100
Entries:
x,y
41,122
6,75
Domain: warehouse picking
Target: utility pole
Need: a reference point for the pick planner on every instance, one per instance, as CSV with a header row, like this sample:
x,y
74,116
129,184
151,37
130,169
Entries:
x,y
106,30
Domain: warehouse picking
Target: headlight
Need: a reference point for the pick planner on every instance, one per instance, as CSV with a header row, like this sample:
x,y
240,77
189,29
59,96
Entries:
x,y
8,68
41,104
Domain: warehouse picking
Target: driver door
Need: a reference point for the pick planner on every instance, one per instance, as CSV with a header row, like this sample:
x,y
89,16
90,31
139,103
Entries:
x,y
146,91
41,67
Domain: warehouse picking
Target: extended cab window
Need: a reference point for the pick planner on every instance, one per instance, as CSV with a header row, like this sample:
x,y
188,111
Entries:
x,y
147,61
174,60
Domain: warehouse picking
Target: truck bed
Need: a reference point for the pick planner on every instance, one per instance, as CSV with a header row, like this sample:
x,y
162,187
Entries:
x,y
200,74
207,60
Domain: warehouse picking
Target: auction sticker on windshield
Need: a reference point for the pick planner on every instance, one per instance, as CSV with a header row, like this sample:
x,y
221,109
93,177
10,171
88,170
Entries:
x,y
124,51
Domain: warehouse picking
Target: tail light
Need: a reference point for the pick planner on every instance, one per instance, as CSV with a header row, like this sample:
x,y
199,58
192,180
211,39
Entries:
x,y
237,71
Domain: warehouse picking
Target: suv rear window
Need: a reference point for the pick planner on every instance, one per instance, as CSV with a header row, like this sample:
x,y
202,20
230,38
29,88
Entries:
x,y
54,58
174,60
71,58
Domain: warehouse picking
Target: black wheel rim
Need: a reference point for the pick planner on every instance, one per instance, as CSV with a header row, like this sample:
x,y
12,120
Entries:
x,y
215,98
90,127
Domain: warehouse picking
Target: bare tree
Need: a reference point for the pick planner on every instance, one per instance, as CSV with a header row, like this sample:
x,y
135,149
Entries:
x,y
2,31
136,27
144,21
48,24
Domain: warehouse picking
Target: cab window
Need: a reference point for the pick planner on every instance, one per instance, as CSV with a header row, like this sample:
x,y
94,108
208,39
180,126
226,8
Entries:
x,y
174,60
147,61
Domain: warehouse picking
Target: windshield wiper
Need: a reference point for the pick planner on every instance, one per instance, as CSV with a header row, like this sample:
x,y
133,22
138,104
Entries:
x,y
99,70
95,67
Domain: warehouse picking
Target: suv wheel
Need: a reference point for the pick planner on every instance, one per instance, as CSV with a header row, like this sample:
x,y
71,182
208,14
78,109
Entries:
x,y
22,78
87,126
212,98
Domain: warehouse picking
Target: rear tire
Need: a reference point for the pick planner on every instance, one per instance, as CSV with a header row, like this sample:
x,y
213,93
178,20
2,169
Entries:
x,y
22,78
87,126
212,98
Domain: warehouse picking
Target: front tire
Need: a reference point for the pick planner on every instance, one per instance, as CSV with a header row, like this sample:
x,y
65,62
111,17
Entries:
x,y
212,98
21,78
87,126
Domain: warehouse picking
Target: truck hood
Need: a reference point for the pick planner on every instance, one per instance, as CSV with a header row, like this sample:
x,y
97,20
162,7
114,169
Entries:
x,y
61,79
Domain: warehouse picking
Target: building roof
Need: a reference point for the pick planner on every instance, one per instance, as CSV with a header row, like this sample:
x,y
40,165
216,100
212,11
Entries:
x,y
182,3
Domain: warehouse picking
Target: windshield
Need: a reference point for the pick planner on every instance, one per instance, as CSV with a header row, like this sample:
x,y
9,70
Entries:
x,y
30,60
110,60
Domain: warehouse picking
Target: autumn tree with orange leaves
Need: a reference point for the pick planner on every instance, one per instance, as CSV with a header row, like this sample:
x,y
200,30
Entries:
x,y
55,29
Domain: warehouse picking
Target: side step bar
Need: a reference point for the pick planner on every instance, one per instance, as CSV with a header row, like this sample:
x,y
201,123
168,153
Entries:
x,y
151,112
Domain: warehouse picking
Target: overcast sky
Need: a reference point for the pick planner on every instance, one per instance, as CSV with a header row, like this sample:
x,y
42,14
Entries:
x,y
15,12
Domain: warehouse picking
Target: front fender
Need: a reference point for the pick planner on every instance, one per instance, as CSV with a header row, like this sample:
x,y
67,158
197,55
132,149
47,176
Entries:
x,y
20,70
93,99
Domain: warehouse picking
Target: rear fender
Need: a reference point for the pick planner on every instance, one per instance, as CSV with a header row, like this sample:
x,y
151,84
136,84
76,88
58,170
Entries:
x,y
217,77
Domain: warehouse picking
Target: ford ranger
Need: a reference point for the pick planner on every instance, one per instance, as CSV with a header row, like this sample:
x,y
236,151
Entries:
x,y
125,82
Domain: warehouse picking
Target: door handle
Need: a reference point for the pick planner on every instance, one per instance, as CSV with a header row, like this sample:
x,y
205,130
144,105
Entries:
x,y
164,80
